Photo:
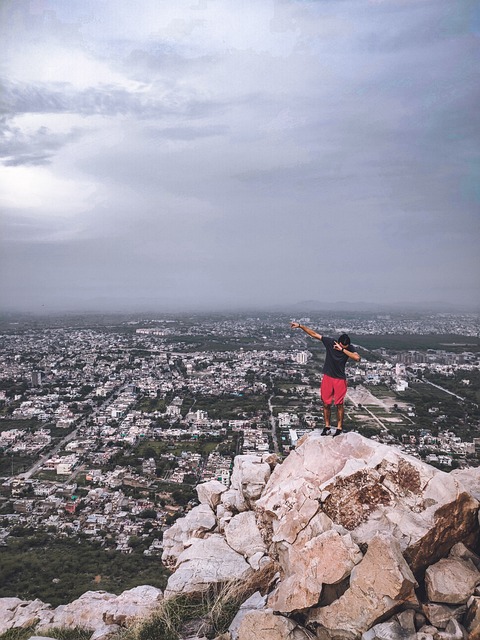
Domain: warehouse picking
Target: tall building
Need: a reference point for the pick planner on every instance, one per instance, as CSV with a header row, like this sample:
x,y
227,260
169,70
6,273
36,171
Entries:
x,y
37,378
302,357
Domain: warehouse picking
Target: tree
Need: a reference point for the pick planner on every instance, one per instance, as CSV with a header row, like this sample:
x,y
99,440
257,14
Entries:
x,y
148,513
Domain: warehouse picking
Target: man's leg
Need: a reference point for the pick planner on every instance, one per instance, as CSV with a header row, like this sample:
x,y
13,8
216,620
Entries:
x,y
340,414
326,394
340,393
327,414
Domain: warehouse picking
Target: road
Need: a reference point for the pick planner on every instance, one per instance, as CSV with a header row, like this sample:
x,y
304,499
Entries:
x,y
274,426
442,389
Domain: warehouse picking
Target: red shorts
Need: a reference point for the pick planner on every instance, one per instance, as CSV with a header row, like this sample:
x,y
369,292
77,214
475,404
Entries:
x,y
333,389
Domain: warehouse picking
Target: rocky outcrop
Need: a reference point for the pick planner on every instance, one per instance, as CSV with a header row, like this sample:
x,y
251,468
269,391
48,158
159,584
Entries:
x,y
367,542
369,488
95,610
194,547
353,526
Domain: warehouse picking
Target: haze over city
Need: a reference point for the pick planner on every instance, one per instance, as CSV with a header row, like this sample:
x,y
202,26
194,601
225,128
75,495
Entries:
x,y
216,154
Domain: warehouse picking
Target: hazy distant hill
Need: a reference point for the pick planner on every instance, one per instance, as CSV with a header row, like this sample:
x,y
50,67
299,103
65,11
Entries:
x,y
398,307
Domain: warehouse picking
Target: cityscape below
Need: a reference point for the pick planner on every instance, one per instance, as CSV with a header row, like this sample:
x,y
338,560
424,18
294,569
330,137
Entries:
x,y
107,423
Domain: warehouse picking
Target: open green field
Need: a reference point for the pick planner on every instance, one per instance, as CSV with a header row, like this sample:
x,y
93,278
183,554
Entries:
x,y
9,423
11,465
228,407
148,405
30,563
49,474
158,448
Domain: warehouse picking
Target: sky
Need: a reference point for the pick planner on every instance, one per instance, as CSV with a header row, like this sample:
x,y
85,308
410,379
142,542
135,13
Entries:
x,y
229,154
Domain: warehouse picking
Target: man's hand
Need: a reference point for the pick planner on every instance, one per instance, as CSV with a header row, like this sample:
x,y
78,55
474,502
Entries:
x,y
295,325
338,346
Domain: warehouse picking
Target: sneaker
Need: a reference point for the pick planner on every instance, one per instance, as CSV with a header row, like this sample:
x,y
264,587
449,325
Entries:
x,y
338,432
326,431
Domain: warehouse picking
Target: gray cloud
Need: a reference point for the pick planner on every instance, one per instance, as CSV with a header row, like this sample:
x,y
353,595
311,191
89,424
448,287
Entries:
x,y
298,150
37,148
100,100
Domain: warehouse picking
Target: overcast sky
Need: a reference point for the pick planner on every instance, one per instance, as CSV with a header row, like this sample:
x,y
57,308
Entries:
x,y
188,154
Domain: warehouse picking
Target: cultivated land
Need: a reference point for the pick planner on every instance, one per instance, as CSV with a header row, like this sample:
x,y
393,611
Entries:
x,y
108,423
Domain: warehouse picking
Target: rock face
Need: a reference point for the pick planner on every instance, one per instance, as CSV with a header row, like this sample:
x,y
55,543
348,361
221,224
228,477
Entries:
x,y
379,584
369,488
470,479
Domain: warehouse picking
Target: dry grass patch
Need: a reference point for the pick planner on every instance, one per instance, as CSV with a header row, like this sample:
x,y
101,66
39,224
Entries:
x,y
209,613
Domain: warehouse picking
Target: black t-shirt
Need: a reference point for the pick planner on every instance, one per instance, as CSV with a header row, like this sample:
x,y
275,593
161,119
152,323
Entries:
x,y
335,360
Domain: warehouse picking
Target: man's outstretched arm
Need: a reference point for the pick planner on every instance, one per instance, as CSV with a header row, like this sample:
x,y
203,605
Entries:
x,y
310,332
351,354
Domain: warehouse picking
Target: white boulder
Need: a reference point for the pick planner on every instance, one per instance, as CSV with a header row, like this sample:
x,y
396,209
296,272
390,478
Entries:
x,y
309,564
451,580
249,477
210,492
255,602
265,625
205,562
195,524
243,535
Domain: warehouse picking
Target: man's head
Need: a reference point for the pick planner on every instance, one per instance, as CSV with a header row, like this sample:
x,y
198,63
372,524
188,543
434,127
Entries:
x,y
344,340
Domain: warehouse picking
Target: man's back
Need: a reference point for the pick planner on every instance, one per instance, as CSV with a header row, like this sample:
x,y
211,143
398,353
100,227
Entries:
x,y
335,360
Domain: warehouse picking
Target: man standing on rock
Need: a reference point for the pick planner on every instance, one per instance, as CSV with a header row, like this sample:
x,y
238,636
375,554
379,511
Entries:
x,y
334,382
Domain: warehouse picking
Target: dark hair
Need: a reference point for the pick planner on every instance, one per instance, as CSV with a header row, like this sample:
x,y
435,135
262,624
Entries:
x,y
344,339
